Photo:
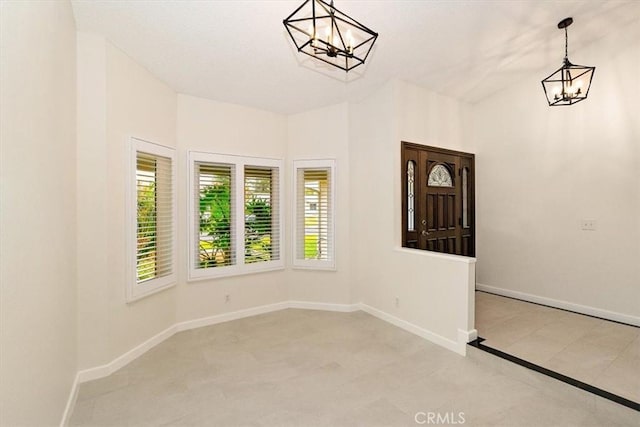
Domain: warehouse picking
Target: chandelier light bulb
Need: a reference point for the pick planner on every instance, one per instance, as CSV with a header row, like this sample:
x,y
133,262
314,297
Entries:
x,y
350,42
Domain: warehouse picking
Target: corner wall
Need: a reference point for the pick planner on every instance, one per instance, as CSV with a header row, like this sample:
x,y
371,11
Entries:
x,y
117,99
217,127
541,170
37,218
306,141
434,291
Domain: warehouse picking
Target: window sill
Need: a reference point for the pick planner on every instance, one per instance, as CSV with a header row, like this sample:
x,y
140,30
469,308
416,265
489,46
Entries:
x,y
314,267
231,272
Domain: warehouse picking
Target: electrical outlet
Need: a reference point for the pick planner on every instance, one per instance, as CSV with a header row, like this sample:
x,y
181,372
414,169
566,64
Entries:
x,y
397,302
227,298
588,224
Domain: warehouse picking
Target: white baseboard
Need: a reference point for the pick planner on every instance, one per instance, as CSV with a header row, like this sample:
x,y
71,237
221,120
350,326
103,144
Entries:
x,y
227,317
565,305
109,368
71,402
119,362
306,305
457,347
467,336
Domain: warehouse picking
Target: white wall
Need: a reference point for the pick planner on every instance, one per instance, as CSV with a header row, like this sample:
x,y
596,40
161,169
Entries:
x,y
371,130
434,290
117,99
138,104
428,118
92,207
540,170
37,218
217,127
322,134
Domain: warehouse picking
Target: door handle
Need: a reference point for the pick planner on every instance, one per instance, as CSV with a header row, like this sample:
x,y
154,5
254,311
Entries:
x,y
424,232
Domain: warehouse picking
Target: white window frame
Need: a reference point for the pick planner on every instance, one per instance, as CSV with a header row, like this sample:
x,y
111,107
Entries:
x,y
314,264
239,268
135,290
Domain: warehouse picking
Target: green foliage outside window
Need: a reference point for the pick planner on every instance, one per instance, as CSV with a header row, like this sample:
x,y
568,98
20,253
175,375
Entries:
x,y
215,224
257,240
215,217
146,232
311,246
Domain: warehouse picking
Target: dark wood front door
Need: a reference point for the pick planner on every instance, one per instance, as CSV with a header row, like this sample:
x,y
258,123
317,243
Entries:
x,y
438,200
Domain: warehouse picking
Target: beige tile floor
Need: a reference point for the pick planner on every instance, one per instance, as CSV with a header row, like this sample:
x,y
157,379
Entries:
x,y
314,368
595,351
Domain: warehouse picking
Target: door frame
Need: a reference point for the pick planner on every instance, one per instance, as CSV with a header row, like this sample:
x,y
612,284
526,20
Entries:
x,y
471,187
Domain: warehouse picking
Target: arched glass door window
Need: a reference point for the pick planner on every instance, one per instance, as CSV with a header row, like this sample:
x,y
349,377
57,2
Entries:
x,y
411,199
440,177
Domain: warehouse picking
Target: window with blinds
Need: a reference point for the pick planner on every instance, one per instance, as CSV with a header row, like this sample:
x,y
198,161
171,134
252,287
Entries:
x,y
261,222
235,215
215,213
152,215
314,239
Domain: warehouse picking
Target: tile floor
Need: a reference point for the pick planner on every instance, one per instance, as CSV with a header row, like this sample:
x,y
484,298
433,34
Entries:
x,y
595,351
314,368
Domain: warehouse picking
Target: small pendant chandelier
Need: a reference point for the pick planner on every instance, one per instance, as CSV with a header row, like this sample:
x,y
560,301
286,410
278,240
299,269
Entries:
x,y
321,31
570,83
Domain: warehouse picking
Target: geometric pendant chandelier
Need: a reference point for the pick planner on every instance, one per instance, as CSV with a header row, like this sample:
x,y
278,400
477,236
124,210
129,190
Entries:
x,y
570,83
321,31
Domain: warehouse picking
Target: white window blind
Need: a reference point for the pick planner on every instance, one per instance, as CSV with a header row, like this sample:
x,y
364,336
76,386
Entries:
x,y
152,216
214,216
235,215
261,213
314,238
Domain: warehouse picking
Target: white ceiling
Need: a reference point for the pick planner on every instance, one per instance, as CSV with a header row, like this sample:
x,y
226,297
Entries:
x,y
239,52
